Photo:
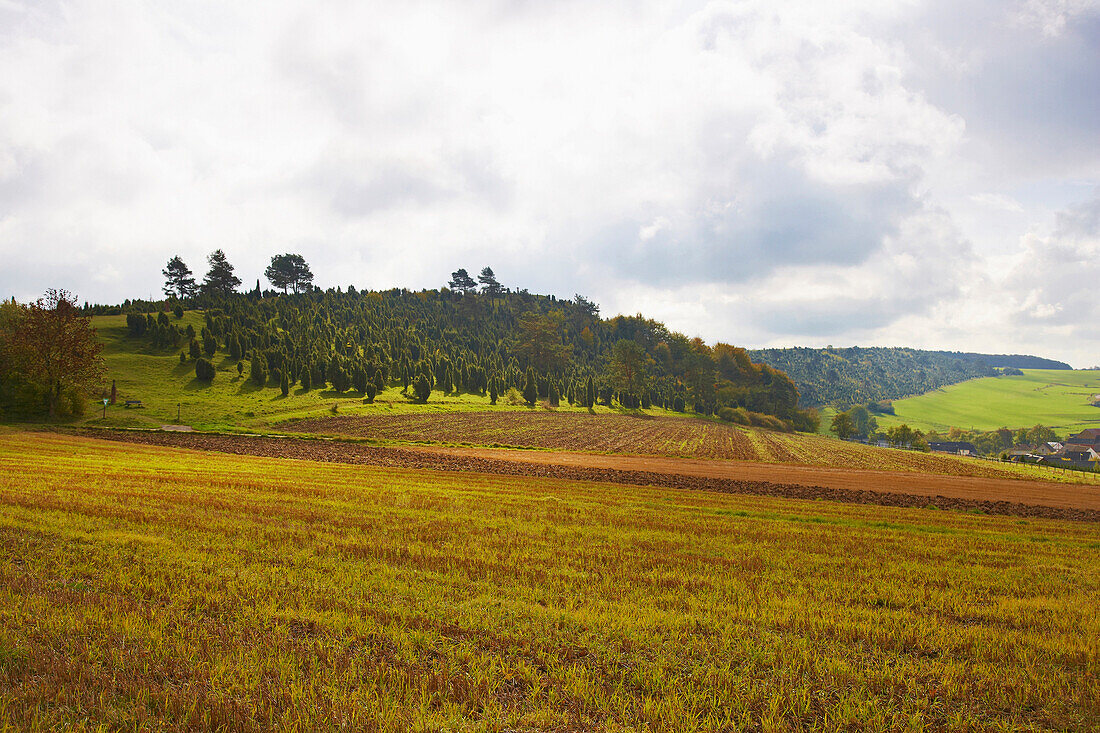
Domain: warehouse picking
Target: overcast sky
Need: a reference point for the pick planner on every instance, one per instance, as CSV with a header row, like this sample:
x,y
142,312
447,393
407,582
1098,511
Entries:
x,y
909,173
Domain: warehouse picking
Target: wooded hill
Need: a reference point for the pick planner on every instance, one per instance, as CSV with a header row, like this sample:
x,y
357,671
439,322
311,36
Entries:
x,y
444,340
857,375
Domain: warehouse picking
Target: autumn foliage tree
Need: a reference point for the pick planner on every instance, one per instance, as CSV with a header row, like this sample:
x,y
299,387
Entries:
x,y
56,350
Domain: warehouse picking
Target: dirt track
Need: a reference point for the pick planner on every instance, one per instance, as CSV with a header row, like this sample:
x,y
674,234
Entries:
x,y
886,488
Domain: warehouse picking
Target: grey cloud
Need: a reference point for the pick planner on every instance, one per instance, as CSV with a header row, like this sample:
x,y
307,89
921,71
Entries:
x,y
1056,284
1031,98
778,218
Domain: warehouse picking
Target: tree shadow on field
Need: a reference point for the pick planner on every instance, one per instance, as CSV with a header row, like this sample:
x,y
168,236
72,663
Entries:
x,y
196,384
248,387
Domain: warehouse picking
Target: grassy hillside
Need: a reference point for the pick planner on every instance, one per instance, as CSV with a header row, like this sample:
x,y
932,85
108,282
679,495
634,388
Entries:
x,y
1056,398
156,377
161,589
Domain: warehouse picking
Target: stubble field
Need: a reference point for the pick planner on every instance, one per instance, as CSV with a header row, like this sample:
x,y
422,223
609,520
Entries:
x,y
151,588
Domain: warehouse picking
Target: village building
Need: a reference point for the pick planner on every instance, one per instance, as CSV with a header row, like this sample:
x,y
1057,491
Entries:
x,y
960,448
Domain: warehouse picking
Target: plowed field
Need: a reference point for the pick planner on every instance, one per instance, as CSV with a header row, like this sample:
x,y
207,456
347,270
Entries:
x,y
992,496
625,435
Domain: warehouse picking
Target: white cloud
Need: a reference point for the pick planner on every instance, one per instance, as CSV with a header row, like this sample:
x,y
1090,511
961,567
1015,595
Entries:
x,y
802,170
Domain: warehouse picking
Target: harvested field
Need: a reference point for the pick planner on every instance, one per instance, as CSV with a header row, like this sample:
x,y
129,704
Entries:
x,y
152,588
642,436
1013,497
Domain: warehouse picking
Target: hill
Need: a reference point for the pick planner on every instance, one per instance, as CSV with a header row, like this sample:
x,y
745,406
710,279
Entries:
x,y
858,375
435,344
1055,398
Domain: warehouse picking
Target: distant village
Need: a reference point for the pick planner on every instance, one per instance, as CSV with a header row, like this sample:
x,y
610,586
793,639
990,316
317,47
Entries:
x,y
1081,450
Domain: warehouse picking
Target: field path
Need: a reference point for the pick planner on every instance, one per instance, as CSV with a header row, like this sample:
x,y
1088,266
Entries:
x,y
1041,493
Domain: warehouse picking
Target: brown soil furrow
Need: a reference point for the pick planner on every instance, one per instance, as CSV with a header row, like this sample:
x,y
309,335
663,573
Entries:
x,y
1019,498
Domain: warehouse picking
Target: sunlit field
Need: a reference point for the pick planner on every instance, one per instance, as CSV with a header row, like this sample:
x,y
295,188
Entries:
x,y
1057,398
148,588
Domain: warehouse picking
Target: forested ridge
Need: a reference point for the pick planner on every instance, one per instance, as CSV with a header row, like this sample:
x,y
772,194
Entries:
x,y
446,340
857,375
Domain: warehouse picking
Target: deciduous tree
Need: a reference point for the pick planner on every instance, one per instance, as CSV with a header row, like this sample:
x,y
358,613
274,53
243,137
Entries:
x,y
56,349
842,425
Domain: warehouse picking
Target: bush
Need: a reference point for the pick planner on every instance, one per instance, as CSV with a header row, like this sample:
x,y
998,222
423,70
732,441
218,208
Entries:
x,y
370,392
183,358
513,397
194,349
204,370
178,311
738,415
678,403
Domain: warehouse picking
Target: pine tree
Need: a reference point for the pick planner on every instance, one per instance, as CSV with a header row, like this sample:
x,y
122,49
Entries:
x,y
461,282
194,349
492,390
307,379
489,284
258,373
178,281
219,278
421,388
284,385
531,387
204,370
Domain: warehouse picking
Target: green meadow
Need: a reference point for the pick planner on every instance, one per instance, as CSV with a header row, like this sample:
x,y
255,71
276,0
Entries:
x,y
1057,398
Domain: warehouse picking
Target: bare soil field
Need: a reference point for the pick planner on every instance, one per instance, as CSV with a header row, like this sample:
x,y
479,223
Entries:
x,y
639,436
900,489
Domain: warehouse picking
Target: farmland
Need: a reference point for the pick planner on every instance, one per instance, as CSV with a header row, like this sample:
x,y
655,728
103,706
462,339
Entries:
x,y
657,436
1057,398
158,588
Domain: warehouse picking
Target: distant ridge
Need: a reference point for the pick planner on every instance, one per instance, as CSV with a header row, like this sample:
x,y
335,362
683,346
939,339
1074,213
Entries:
x,y
854,375
1016,361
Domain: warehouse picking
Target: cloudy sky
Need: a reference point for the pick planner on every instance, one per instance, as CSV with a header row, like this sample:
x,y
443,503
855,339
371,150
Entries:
x,y
909,173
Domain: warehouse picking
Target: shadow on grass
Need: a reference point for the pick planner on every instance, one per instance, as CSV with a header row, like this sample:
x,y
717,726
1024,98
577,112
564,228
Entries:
x,y
248,387
196,384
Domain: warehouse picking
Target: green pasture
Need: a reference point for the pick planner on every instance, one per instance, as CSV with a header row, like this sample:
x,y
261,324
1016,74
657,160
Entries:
x,y
1057,398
